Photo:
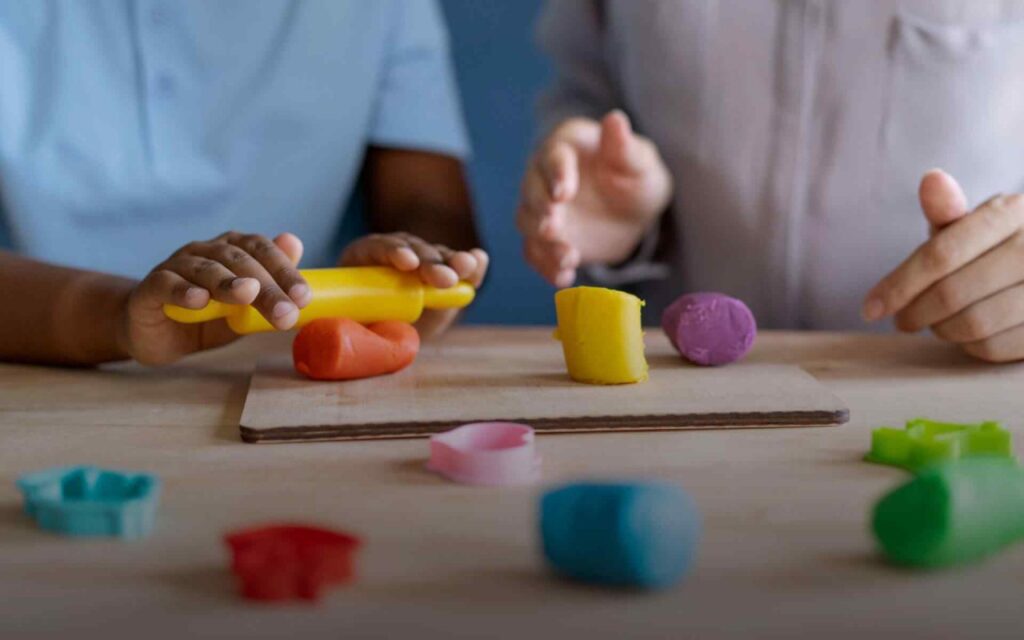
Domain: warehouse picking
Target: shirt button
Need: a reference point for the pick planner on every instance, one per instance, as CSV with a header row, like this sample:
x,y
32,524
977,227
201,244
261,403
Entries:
x,y
165,84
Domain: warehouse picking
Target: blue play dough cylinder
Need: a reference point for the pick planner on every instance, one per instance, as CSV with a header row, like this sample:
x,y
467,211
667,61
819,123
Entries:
x,y
640,534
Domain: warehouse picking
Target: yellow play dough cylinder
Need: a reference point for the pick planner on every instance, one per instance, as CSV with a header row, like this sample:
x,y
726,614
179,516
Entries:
x,y
601,334
363,294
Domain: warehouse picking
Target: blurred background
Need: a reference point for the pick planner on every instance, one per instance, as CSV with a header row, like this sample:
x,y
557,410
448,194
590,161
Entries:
x,y
500,75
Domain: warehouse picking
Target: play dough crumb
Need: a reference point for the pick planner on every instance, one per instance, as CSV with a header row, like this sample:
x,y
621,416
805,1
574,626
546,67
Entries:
x,y
709,328
601,335
342,349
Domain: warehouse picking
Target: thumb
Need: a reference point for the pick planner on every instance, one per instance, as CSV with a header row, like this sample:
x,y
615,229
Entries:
x,y
619,147
942,200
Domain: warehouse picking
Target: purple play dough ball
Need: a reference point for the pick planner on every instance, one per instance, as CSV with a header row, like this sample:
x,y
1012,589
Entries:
x,y
709,328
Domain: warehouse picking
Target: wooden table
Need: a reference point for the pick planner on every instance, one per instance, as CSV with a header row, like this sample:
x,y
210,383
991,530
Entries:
x,y
785,551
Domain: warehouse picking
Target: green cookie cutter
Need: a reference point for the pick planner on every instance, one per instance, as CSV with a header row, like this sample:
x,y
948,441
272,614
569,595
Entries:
x,y
924,443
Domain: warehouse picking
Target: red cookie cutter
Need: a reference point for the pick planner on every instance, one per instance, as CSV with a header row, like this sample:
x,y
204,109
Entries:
x,y
291,562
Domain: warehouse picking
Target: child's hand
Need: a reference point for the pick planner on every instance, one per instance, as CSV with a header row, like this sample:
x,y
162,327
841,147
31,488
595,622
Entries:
x,y
234,268
436,264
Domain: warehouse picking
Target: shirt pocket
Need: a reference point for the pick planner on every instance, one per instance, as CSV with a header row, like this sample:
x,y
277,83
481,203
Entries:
x,y
955,100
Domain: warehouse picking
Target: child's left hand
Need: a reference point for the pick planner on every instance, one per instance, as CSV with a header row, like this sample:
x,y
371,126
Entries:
x,y
436,264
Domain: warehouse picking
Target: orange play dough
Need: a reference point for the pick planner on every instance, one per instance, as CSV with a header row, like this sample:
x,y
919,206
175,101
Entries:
x,y
342,349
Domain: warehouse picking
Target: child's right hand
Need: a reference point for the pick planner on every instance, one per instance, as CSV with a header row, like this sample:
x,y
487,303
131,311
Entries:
x,y
234,268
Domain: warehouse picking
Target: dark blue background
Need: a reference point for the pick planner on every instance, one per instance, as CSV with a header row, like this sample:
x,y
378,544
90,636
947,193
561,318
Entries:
x,y
500,75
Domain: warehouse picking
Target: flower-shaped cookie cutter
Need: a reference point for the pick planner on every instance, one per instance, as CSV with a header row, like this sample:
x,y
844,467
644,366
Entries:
x,y
291,561
486,453
89,501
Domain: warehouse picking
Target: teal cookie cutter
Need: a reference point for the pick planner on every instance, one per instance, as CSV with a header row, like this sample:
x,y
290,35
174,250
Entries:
x,y
89,501
924,443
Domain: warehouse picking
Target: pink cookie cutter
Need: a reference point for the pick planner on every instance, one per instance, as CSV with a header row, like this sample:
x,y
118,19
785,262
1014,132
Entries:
x,y
486,453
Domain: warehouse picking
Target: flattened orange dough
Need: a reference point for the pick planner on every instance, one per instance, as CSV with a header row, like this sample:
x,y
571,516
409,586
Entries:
x,y
343,349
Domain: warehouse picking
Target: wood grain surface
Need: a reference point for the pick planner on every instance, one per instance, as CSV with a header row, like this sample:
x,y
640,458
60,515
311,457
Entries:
x,y
785,550
449,385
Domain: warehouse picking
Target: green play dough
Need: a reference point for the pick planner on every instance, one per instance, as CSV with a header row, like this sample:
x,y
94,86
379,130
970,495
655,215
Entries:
x,y
952,513
926,442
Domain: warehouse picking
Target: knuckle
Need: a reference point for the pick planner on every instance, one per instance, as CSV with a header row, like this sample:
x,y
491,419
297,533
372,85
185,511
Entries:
x,y
285,273
269,294
161,278
939,255
188,249
947,296
233,255
204,266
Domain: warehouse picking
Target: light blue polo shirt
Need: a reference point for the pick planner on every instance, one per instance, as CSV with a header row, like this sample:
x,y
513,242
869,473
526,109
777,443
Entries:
x,y
131,127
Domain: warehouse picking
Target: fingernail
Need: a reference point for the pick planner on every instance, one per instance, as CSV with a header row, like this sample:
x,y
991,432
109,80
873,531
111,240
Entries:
x,y
282,309
564,279
298,292
558,191
239,282
872,310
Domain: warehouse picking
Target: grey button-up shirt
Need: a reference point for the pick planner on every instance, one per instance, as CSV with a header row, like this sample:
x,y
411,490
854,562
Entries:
x,y
797,132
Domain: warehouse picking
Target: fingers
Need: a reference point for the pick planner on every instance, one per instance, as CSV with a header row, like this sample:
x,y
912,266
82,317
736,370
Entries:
x,y
483,261
942,199
1007,346
620,148
436,264
163,286
985,319
247,269
210,275
385,250
539,214
558,166
291,245
949,250
993,272
556,262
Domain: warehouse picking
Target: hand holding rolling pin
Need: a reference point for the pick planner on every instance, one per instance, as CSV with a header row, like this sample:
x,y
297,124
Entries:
x,y
207,293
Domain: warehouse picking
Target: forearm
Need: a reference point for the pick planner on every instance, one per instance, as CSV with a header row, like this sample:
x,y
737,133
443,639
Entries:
x,y
56,315
420,193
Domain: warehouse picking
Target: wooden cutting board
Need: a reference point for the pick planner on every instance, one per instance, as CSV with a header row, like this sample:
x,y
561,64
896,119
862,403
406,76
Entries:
x,y
524,380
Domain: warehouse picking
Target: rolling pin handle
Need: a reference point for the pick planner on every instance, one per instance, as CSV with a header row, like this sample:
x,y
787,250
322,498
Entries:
x,y
455,297
212,311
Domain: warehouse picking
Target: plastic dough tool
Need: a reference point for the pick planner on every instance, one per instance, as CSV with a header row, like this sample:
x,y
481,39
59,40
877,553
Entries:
x,y
486,453
363,294
290,561
924,443
86,501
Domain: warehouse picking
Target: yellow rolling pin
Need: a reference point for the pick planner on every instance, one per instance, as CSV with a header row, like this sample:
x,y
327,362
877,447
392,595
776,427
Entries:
x,y
363,294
